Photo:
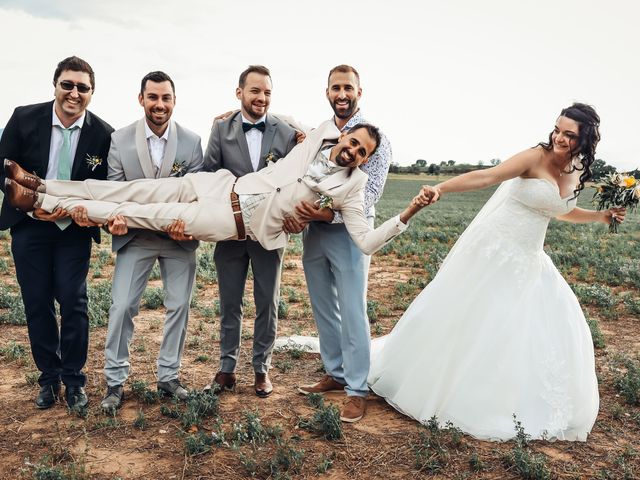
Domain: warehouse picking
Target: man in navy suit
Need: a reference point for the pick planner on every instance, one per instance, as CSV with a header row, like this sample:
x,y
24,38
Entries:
x,y
59,139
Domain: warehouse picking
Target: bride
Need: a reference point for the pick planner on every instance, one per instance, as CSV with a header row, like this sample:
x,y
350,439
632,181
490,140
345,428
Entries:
x,y
499,332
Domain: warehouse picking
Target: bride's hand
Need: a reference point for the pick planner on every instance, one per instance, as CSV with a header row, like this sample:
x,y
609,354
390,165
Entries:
x,y
617,213
427,196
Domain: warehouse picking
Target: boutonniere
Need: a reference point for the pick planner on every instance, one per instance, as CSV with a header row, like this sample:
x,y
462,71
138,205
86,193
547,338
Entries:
x,y
178,169
271,158
325,201
93,161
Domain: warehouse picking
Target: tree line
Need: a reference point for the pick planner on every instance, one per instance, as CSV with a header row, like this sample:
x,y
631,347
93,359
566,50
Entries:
x,y
599,168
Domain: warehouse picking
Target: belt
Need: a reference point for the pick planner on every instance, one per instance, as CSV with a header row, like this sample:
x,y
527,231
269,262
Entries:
x,y
237,213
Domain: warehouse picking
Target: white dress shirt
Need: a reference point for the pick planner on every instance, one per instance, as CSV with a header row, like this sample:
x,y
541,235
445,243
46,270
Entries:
x,y
56,143
254,142
157,145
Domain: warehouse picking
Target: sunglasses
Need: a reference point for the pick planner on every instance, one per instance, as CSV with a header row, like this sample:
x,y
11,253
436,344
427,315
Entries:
x,y
67,85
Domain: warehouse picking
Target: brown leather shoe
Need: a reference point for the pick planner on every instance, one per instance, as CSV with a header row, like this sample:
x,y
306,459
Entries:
x,y
325,385
262,385
222,381
20,197
353,409
19,175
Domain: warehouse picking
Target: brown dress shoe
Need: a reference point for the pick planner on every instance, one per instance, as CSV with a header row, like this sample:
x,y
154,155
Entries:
x,y
353,409
222,381
262,385
325,385
20,197
19,175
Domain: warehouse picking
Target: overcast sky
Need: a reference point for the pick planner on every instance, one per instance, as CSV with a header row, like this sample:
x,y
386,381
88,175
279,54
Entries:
x,y
461,80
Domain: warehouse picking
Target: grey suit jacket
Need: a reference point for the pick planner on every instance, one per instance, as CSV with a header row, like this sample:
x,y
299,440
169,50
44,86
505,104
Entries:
x,y
227,147
129,159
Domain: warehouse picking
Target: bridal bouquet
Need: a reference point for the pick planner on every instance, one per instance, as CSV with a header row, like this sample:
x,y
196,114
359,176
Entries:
x,y
617,190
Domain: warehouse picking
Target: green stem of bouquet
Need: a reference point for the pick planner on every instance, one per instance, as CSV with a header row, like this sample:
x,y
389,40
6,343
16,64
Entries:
x,y
613,226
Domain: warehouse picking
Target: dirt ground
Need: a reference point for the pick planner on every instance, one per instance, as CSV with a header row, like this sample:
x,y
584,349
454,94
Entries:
x,y
382,445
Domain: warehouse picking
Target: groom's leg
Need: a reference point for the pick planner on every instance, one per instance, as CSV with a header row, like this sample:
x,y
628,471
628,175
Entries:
x,y
322,295
160,190
210,220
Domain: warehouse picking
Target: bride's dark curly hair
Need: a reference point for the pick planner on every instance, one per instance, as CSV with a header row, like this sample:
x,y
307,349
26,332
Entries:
x,y
588,138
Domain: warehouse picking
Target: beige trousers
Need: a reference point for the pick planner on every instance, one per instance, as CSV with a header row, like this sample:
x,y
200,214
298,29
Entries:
x,y
200,199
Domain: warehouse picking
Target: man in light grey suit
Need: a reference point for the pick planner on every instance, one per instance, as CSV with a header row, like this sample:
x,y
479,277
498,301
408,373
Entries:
x,y
242,143
153,147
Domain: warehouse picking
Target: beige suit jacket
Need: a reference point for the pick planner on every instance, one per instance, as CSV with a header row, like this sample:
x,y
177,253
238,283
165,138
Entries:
x,y
286,188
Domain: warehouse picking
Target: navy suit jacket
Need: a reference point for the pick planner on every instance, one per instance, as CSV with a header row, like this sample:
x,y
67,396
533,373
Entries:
x,y
26,140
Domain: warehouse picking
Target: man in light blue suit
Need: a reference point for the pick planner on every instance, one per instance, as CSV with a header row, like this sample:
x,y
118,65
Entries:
x,y
336,270
152,147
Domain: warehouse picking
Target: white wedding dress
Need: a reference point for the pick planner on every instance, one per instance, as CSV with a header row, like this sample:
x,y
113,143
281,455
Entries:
x,y
497,332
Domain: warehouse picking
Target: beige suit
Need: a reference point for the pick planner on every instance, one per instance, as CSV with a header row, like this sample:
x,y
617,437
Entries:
x,y
202,199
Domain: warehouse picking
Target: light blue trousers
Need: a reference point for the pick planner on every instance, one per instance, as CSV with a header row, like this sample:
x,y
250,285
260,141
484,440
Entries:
x,y
336,273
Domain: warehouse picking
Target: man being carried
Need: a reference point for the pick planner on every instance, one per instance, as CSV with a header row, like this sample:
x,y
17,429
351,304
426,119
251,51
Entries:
x,y
213,206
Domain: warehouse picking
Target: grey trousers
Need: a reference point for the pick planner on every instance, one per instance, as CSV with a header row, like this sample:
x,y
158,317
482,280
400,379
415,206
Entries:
x,y
134,262
232,264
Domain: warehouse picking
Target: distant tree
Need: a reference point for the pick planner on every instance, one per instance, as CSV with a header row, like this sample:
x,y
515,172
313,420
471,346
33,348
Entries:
x,y
600,169
414,169
480,163
443,164
495,161
421,163
433,169
394,167
451,163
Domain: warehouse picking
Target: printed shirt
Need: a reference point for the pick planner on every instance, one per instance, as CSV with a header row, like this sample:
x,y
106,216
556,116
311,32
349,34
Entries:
x,y
376,168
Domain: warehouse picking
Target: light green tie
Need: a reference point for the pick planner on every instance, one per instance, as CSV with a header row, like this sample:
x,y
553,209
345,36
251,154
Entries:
x,y
64,166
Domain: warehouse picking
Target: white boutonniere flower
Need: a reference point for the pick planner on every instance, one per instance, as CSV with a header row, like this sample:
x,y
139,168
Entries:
x,y
178,169
325,201
93,161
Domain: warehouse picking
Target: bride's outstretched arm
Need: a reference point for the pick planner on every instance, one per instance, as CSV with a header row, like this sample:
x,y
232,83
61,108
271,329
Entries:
x,y
519,164
581,215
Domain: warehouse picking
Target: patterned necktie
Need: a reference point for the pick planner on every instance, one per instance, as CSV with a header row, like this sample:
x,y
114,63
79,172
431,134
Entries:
x,y
64,166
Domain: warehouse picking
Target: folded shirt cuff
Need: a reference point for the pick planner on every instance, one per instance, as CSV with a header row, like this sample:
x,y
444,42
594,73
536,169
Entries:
x,y
399,225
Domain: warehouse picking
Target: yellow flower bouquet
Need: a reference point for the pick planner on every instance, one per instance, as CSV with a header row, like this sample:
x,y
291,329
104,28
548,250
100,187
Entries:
x,y
617,190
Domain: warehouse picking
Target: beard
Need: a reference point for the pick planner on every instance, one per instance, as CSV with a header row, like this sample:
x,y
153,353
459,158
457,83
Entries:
x,y
346,113
156,121
341,162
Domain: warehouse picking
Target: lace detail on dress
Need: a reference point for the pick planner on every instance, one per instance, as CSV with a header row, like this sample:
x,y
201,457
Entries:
x,y
554,381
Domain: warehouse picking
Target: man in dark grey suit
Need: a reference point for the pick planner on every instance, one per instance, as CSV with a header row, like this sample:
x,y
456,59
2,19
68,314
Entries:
x,y
152,147
244,143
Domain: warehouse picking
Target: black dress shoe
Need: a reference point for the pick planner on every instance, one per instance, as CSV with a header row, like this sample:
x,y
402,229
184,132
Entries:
x,y
113,399
75,396
48,396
